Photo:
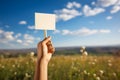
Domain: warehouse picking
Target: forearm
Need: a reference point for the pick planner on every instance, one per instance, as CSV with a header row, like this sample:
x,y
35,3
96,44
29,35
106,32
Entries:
x,y
43,70
37,71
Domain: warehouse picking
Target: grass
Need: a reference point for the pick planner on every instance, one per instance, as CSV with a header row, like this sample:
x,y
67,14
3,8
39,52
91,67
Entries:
x,y
63,68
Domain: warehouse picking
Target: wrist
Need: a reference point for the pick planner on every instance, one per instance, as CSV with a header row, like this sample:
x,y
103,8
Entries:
x,y
44,61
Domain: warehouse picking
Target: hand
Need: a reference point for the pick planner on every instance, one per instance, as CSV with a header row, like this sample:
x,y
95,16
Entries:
x,y
45,49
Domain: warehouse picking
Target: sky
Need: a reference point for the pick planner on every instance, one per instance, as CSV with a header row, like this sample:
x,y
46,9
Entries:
x,y
78,23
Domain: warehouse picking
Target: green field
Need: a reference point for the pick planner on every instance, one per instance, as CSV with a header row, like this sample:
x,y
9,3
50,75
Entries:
x,y
74,67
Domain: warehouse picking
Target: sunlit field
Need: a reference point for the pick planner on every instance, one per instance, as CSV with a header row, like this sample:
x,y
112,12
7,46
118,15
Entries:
x,y
74,67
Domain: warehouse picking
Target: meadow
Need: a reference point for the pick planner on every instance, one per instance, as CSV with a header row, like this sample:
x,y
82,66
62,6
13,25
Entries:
x,y
74,67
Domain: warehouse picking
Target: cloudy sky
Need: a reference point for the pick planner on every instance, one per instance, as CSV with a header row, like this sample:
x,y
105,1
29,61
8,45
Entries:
x,y
78,22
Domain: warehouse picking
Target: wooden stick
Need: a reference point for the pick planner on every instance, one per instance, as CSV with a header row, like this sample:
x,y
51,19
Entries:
x,y
45,33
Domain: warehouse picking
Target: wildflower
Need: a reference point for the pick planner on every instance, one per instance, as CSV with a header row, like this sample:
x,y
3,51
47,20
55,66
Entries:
x,y
109,64
13,66
27,75
97,78
81,51
93,63
15,73
95,60
88,73
101,72
85,72
82,48
94,75
32,54
114,74
109,60
3,67
85,53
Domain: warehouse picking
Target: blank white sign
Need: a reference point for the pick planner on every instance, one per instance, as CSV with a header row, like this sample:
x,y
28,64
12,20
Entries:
x,y
45,21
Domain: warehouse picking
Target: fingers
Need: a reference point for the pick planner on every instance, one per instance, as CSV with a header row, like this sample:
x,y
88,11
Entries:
x,y
47,42
51,49
44,42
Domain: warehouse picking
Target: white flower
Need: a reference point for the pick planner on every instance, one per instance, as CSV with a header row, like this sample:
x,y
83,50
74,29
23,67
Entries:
x,y
3,66
88,73
93,63
95,60
97,78
101,72
13,66
85,72
15,73
82,48
85,53
32,54
114,74
27,75
109,64
94,75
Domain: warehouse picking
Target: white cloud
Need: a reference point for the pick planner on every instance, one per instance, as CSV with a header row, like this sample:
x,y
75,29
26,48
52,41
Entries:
x,y
31,27
118,3
28,38
56,31
92,12
10,38
6,36
106,3
17,35
19,41
22,22
69,12
115,9
73,5
115,4
84,32
109,17
1,31
80,32
93,3
25,44
104,31
66,32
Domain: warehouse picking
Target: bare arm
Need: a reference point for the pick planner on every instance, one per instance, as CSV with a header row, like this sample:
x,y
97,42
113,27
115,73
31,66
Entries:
x,y
44,53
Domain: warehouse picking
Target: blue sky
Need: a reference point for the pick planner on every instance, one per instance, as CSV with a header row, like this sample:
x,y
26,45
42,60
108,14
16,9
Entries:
x,y
79,22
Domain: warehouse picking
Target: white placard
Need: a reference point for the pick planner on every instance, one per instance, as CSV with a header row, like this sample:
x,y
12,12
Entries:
x,y
45,21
